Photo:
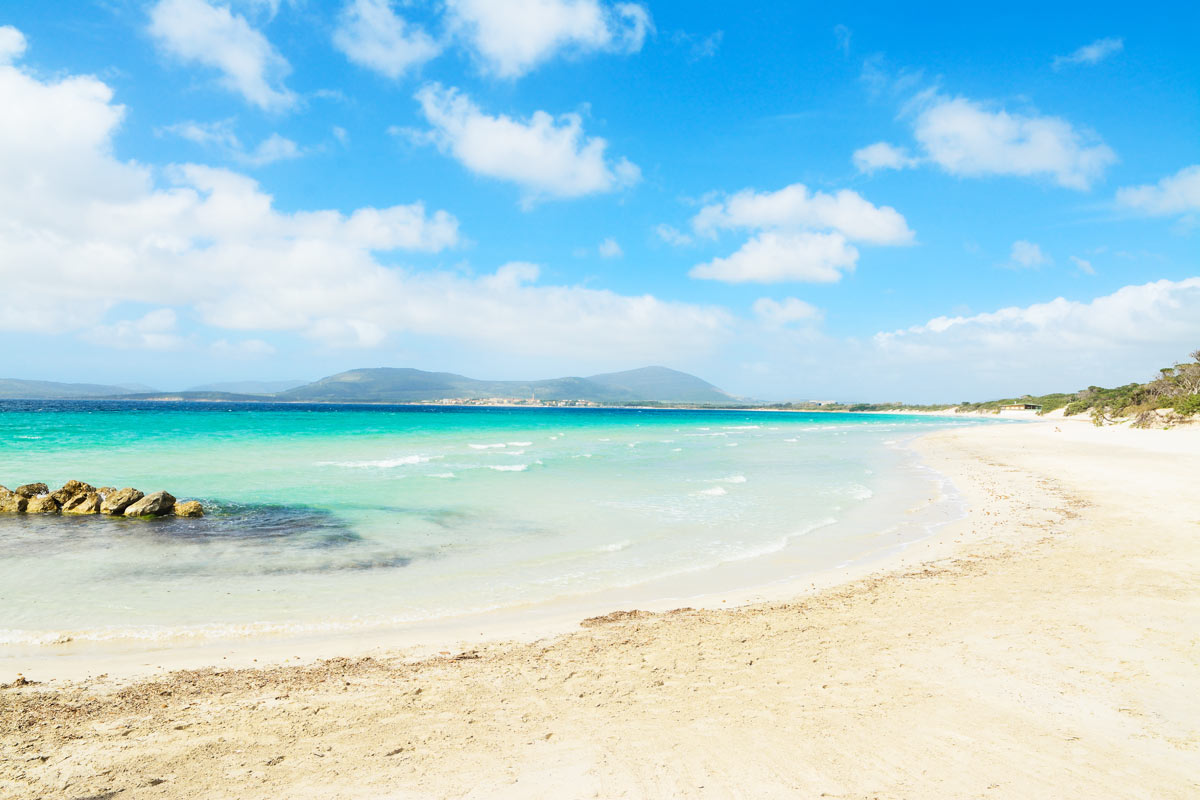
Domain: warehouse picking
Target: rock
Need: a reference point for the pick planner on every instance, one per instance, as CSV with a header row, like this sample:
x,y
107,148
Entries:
x,y
32,489
11,502
42,505
189,508
152,505
86,503
105,491
116,502
70,490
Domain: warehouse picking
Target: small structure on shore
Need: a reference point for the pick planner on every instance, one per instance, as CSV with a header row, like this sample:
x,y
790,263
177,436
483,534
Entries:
x,y
78,498
1021,407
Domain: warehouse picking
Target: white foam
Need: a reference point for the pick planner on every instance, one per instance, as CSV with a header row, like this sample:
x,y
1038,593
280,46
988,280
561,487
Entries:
x,y
715,491
730,479
520,444
487,446
441,475
509,467
386,463
615,547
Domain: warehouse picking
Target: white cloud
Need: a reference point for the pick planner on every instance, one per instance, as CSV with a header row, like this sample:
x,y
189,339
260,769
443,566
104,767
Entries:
x,y
843,36
781,313
373,35
882,155
609,248
210,243
1092,53
772,257
1084,265
544,155
798,235
794,207
197,32
154,331
243,349
1152,321
1028,255
672,235
221,135
12,44
511,38
1174,194
965,138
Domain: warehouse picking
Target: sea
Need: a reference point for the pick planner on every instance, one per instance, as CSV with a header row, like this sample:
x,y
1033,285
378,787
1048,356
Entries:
x,y
326,518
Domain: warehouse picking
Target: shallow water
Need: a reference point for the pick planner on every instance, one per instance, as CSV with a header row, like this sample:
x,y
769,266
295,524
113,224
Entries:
x,y
335,517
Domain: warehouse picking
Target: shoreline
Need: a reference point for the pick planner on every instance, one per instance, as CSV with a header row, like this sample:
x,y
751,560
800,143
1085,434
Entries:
x,y
1047,641
759,579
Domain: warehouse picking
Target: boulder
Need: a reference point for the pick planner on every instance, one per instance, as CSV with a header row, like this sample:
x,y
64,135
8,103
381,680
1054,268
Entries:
x,y
45,504
152,505
189,508
11,502
86,503
70,490
116,502
32,489
105,491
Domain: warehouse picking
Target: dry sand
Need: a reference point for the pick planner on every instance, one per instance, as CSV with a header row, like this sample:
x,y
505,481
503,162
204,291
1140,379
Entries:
x,y
1048,648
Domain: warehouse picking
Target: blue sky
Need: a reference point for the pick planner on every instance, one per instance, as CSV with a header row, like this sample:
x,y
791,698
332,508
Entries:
x,y
790,200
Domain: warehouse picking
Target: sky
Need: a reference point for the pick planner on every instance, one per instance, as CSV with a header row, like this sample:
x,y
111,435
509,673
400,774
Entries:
x,y
793,201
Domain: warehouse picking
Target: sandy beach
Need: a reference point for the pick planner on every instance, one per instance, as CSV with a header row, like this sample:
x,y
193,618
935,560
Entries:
x,y
1046,646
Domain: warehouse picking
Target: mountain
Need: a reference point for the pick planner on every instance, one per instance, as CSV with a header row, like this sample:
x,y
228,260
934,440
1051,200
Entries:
x,y
249,387
402,385
16,389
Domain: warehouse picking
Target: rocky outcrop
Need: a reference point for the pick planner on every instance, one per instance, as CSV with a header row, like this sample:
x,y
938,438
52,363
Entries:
x,y
158,504
188,508
79,498
116,502
44,504
86,503
70,490
11,502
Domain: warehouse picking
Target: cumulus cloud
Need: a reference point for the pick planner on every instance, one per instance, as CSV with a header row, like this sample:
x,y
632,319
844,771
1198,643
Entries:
x,y
609,248
798,235
1174,194
794,207
371,34
969,139
771,257
672,235
197,32
1092,53
781,313
154,331
221,135
12,44
882,155
1138,325
546,156
1028,255
107,234
512,38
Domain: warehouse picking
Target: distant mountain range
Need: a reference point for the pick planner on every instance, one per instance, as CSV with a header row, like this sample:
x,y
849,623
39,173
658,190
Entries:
x,y
395,385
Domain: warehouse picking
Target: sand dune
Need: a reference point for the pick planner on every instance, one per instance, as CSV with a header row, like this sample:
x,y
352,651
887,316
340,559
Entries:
x,y
1045,647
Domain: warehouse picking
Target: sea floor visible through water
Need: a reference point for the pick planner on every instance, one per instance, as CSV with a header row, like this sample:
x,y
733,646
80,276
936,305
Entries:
x,y
343,519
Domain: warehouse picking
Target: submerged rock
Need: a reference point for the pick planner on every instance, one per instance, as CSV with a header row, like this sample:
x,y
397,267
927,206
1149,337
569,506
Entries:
x,y
116,502
87,503
32,489
189,508
152,505
42,505
70,490
11,502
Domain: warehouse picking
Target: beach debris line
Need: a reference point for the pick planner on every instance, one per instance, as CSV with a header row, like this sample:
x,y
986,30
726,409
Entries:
x,y
79,498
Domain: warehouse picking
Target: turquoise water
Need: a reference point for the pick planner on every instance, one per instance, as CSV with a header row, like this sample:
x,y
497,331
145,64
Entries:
x,y
336,517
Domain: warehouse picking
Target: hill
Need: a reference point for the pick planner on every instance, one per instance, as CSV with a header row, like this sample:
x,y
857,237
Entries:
x,y
17,389
403,385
